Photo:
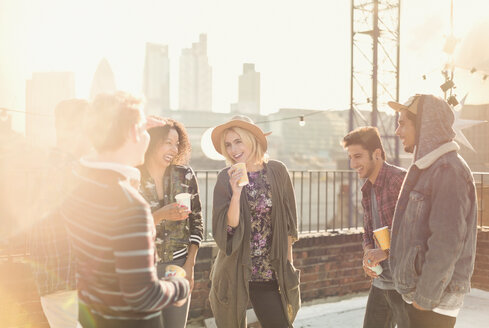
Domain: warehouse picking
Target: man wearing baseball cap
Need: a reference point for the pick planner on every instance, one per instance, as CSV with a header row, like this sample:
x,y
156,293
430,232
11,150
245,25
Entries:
x,y
435,223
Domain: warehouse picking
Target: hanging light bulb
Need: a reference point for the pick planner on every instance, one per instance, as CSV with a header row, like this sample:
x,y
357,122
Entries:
x,y
301,121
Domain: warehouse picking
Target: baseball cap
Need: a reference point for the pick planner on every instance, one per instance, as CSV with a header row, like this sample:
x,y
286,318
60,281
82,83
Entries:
x,y
411,104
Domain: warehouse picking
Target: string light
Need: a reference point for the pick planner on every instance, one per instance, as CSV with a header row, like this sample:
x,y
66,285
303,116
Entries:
x,y
302,121
26,113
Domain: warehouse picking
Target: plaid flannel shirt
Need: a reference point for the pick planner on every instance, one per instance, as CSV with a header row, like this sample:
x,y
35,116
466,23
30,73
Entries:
x,y
50,249
386,187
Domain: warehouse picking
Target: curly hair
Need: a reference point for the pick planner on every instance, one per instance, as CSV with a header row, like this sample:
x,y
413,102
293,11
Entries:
x,y
160,133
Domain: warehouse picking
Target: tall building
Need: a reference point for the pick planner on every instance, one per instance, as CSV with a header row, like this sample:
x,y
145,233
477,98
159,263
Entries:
x,y
195,90
156,79
248,92
43,92
103,79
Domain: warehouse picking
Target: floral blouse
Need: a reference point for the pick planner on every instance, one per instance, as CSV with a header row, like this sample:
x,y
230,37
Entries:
x,y
174,237
259,195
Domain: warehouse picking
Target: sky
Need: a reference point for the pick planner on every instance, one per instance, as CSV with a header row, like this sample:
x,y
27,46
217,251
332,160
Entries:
x,y
301,48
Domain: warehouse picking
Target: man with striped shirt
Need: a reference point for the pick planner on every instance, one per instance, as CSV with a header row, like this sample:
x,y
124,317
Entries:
x,y
111,226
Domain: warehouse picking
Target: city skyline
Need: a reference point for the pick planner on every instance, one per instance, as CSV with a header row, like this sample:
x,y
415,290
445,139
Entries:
x,y
248,91
302,50
195,77
156,79
103,79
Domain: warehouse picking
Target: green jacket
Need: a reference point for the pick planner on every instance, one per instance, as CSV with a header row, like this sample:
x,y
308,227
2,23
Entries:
x,y
229,294
174,237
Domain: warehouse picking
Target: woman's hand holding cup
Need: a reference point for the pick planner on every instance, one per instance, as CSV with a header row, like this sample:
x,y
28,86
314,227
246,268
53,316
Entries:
x,y
171,212
236,174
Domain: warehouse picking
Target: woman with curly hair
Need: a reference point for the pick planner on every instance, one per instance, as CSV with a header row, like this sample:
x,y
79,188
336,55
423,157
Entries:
x,y
164,175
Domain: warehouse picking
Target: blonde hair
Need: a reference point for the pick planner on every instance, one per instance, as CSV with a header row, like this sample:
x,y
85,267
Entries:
x,y
258,154
110,118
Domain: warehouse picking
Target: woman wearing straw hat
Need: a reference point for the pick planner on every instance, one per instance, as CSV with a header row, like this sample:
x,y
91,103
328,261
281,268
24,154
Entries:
x,y
254,227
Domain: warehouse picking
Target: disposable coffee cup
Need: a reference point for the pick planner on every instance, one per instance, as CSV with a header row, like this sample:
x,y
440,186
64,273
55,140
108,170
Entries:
x,y
383,237
183,199
243,181
377,269
174,271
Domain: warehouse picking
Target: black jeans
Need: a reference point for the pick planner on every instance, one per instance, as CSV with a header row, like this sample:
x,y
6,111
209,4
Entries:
x,y
385,309
89,319
428,319
267,304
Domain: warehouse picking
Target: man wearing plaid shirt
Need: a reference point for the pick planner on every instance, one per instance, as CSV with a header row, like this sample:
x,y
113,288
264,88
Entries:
x,y
51,253
380,192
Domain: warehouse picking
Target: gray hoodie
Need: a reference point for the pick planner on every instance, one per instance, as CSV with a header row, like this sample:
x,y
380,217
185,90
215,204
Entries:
x,y
435,120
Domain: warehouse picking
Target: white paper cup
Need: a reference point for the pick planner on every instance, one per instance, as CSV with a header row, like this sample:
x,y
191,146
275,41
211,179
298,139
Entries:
x,y
183,199
243,181
377,269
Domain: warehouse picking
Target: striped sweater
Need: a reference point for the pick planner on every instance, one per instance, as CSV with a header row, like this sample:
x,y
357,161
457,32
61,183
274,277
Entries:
x,y
112,234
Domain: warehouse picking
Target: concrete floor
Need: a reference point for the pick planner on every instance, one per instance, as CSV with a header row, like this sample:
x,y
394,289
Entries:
x,y
348,313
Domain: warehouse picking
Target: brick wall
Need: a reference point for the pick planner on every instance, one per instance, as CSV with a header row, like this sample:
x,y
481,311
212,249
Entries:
x,y
330,265
480,279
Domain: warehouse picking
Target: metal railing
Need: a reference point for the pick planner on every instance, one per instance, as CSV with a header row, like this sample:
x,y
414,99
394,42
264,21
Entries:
x,y
326,201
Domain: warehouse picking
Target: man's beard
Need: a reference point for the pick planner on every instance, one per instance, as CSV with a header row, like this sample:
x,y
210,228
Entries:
x,y
409,149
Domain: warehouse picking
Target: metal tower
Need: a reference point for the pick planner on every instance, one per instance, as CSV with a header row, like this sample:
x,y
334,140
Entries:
x,y
375,29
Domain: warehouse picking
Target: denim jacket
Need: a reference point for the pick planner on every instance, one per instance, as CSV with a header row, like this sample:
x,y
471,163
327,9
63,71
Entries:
x,y
434,231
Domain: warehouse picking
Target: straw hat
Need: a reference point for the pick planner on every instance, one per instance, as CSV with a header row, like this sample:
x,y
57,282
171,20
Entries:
x,y
243,122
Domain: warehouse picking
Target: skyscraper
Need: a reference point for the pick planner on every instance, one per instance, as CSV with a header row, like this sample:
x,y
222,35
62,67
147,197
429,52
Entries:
x,y
43,92
195,90
248,91
156,79
103,79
